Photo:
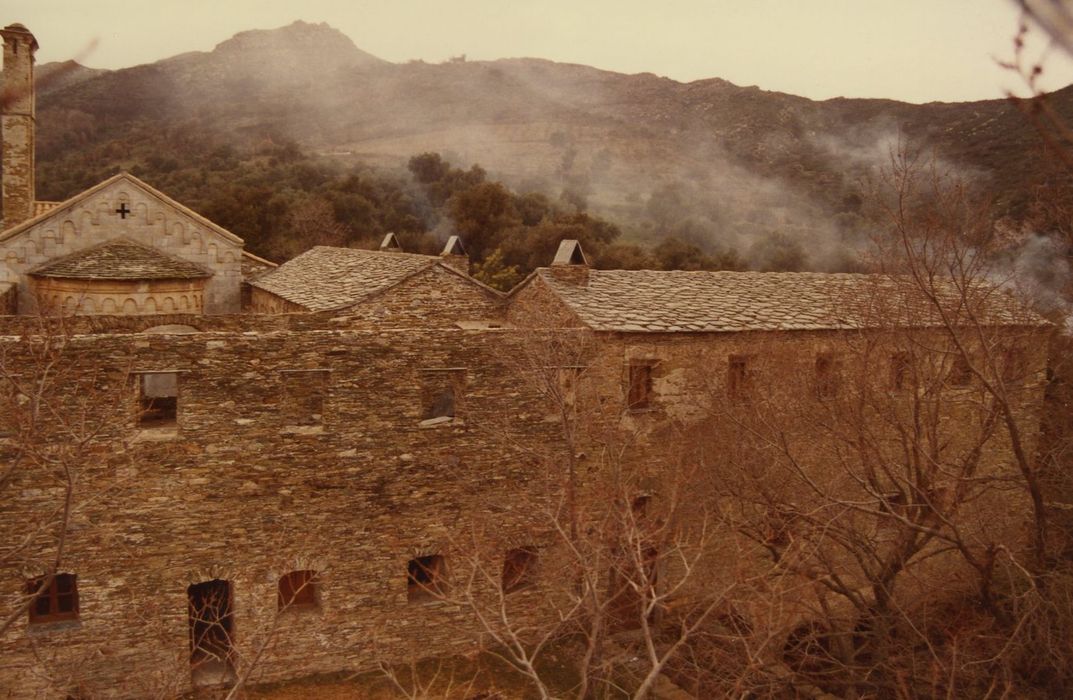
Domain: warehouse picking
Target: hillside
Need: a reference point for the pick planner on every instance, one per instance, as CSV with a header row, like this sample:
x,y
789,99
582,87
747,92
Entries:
x,y
708,160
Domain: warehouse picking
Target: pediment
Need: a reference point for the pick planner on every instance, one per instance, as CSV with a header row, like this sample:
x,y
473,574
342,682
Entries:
x,y
125,208
119,189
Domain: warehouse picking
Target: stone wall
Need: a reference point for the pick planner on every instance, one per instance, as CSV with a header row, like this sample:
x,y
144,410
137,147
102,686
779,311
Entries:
x,y
264,302
237,492
694,417
246,489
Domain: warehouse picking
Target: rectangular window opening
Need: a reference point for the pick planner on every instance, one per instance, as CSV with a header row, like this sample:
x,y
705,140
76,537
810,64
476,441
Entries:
x,y
739,377
58,601
640,393
960,373
1014,365
158,399
298,589
828,376
519,569
425,577
210,619
441,393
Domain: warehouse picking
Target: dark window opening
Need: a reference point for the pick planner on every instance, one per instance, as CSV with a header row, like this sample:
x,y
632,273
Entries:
x,y
828,376
641,395
303,396
739,377
440,393
960,373
58,601
519,569
639,507
442,404
1014,365
900,366
298,589
632,585
158,399
211,623
425,577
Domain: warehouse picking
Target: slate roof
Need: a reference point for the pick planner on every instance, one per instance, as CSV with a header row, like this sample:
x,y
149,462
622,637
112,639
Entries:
x,y
650,301
120,259
324,278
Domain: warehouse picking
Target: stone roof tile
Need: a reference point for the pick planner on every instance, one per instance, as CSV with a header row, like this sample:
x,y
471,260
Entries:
x,y
642,301
117,259
325,278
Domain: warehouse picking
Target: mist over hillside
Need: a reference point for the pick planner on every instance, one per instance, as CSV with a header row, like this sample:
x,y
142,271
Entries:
x,y
709,162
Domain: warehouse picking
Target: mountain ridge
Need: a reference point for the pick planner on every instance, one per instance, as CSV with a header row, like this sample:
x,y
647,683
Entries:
x,y
728,153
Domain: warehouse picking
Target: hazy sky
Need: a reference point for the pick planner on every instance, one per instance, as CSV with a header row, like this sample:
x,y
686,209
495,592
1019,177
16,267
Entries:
x,y
914,50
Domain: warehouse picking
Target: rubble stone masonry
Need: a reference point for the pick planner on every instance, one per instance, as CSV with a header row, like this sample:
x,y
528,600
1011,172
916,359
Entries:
x,y
241,491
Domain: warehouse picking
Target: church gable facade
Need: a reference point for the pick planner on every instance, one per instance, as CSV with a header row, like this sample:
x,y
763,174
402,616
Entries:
x,y
124,207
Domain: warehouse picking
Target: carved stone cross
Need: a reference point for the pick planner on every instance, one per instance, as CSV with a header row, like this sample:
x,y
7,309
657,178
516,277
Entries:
x,y
123,211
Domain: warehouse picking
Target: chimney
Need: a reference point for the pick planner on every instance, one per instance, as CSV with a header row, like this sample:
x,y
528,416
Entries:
x,y
17,127
570,264
454,255
390,244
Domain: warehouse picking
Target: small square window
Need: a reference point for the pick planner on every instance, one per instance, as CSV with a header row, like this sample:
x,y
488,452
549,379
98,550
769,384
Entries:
x,y
640,392
58,601
739,377
158,399
960,373
425,577
441,391
1014,365
519,569
298,589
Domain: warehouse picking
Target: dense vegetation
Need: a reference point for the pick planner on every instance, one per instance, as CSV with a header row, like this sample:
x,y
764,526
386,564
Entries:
x,y
283,201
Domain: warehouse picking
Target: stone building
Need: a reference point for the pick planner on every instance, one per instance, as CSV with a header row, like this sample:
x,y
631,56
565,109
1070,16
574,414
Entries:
x,y
305,448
